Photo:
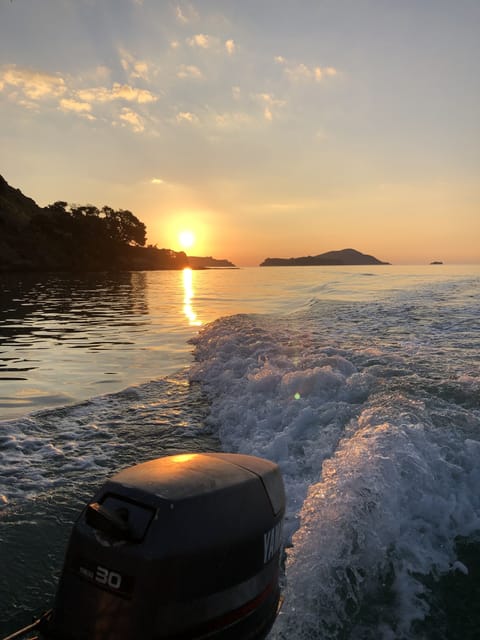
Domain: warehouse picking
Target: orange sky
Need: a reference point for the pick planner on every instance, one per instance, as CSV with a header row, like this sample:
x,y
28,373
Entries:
x,y
264,128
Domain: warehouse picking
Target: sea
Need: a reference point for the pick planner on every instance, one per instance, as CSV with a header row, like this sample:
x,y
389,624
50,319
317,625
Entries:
x,y
362,383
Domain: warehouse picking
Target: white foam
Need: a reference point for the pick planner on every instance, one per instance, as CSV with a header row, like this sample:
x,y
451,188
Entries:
x,y
83,443
269,400
377,487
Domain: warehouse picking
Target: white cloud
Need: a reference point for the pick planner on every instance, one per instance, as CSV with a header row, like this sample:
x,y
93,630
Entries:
x,y
270,100
236,93
132,119
117,92
230,47
270,105
180,15
157,181
140,70
186,13
174,44
189,71
34,89
320,72
302,72
186,116
67,104
135,68
34,85
201,40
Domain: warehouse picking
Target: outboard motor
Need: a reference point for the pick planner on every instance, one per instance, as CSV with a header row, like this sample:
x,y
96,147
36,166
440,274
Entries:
x,y
180,548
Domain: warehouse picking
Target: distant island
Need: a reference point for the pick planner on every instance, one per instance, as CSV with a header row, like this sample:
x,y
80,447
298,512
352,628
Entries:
x,y
208,262
63,237
331,258
436,262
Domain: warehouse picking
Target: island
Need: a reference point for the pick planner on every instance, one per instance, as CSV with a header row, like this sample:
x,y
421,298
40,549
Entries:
x,y
197,262
66,237
343,257
436,262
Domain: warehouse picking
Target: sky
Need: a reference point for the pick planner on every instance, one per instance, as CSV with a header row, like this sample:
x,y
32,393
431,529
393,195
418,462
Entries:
x,y
263,128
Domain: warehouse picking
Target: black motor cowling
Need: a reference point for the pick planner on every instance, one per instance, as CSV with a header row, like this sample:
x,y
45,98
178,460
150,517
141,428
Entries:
x,y
179,548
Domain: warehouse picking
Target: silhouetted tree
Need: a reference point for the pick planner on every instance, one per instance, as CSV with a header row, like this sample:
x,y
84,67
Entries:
x,y
124,227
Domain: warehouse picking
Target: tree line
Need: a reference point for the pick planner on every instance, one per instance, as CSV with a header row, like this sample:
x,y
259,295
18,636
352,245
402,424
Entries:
x,y
86,222
73,237
86,238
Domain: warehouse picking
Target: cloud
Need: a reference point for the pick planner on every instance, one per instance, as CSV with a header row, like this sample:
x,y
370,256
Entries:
x,y
32,89
135,68
186,13
132,119
270,104
140,70
180,15
267,114
201,40
321,72
212,43
186,116
157,181
117,92
189,71
236,93
302,72
33,84
67,104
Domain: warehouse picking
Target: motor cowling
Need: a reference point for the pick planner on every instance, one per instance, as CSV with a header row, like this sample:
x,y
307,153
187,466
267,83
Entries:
x,y
181,547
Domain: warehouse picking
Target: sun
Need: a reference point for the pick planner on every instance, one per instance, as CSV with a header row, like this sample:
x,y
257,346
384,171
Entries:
x,y
186,239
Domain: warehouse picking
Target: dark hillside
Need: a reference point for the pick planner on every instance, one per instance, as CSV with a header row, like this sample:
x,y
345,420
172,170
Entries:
x,y
62,237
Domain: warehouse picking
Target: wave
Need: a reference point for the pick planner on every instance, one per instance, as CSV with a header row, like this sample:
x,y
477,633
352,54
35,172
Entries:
x,y
83,443
380,462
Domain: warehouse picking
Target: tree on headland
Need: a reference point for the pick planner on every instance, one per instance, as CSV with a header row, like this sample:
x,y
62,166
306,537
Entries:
x,y
119,226
86,237
68,237
125,227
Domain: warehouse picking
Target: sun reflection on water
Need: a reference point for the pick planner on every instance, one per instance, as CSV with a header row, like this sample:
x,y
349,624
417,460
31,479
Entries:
x,y
187,299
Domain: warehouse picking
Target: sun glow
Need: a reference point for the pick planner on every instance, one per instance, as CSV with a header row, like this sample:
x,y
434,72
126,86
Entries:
x,y
186,239
187,299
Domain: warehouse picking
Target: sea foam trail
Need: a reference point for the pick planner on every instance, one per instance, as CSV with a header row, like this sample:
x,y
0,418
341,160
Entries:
x,y
382,519
269,400
81,444
380,465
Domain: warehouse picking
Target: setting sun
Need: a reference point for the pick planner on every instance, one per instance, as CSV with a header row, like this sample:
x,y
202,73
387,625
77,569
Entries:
x,y
186,239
